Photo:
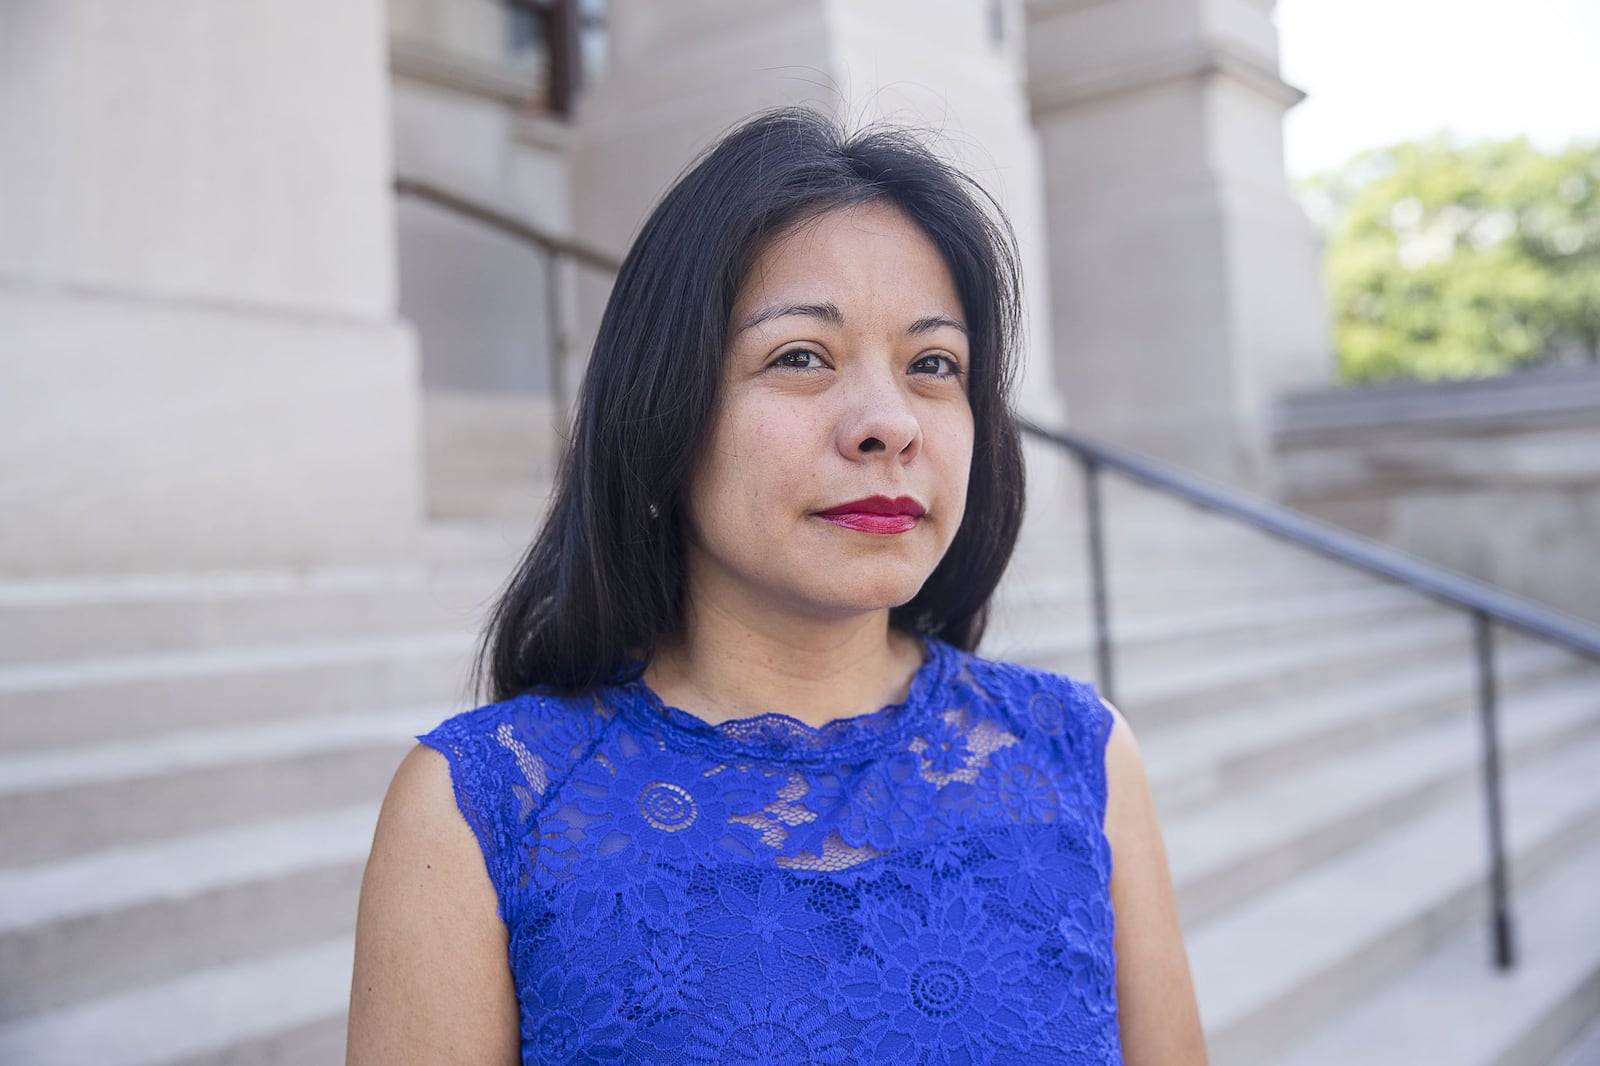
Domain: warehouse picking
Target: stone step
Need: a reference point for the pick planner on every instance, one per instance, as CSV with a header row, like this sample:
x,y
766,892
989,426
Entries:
x,y
92,925
1413,620
482,545
70,801
1173,689
1305,951
288,1007
1130,551
1456,1008
1210,628
1256,838
1053,586
1240,641
1585,1050
61,802
91,701
1194,760
43,621
1134,514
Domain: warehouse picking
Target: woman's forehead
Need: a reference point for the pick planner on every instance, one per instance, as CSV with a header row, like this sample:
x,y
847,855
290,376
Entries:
x,y
870,258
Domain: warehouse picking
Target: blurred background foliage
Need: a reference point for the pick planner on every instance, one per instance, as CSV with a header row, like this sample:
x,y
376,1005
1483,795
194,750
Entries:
x,y
1449,260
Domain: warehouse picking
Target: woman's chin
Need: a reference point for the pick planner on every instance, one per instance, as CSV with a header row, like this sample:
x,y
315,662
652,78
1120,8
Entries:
x,y
859,599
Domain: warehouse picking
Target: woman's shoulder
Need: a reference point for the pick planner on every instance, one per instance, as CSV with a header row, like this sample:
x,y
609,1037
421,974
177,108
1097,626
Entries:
x,y
1037,698
506,760
531,713
537,737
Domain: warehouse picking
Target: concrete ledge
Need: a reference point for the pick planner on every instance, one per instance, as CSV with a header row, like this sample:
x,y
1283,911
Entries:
x,y
1211,58
1537,396
409,58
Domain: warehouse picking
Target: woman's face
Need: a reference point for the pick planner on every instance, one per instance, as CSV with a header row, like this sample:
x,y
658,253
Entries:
x,y
835,474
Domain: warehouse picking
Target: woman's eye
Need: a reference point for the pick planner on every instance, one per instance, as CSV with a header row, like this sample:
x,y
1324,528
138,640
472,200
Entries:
x,y
937,365
799,359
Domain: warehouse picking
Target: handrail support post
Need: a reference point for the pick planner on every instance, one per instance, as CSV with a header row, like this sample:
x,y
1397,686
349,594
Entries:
x,y
1095,518
1499,880
556,325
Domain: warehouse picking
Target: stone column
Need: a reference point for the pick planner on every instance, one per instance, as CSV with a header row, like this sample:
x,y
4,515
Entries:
x,y
1186,280
200,362
679,75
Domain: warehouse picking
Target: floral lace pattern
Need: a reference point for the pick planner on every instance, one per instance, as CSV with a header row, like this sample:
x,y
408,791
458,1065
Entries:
x,y
926,884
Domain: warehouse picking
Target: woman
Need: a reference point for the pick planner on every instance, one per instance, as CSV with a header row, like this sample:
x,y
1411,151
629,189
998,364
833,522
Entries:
x,y
745,794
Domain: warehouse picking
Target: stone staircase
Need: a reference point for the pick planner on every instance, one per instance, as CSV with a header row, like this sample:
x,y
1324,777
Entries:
x,y
1312,742
185,811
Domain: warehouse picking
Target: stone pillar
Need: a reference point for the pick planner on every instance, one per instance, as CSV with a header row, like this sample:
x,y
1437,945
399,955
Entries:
x,y
200,362
1186,280
681,74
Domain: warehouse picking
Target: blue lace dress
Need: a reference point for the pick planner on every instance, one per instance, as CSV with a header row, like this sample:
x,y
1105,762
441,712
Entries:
x,y
925,884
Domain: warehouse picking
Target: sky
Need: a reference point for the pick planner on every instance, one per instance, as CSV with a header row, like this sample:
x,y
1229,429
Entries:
x,y
1380,71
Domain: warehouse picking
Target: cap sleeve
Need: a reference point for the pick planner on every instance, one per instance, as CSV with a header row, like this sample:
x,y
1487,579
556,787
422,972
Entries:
x,y
506,762
486,779
1065,713
1093,722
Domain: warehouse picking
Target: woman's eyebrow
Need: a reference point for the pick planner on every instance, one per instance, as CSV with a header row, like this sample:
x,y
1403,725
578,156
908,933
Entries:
x,y
932,322
827,311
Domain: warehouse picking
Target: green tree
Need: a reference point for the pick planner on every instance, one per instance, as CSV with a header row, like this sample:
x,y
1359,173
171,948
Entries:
x,y
1452,261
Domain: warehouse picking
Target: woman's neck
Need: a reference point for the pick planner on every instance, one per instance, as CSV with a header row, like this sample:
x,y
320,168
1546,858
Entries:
x,y
723,666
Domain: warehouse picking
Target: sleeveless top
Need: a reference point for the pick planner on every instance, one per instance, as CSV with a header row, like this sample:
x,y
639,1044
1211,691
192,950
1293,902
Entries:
x,y
928,883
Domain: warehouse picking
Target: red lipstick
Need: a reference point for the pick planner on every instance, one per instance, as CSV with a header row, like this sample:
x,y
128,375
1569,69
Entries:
x,y
876,514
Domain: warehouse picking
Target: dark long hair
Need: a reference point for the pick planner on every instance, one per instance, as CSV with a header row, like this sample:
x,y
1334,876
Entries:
x,y
605,579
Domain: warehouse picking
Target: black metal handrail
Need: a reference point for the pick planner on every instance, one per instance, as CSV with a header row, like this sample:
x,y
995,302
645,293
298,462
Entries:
x,y
555,250
1485,604
508,224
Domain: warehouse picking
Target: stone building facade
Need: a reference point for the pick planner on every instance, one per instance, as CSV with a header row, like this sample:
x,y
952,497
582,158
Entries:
x,y
211,299
229,345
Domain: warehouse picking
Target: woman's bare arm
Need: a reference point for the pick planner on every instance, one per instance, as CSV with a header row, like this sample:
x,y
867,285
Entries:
x,y
1156,1012
432,984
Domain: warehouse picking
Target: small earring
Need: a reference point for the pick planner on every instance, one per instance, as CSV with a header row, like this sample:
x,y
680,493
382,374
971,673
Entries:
x,y
655,512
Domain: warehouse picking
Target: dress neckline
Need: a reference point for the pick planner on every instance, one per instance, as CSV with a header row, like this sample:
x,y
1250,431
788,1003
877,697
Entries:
x,y
775,736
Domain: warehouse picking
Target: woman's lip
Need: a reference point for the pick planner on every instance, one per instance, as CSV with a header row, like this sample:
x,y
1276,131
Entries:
x,y
862,522
900,506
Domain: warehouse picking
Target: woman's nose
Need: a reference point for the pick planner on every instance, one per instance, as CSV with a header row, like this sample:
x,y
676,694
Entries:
x,y
879,420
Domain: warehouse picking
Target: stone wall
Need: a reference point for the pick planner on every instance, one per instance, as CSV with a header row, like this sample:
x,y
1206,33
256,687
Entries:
x,y
1496,479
